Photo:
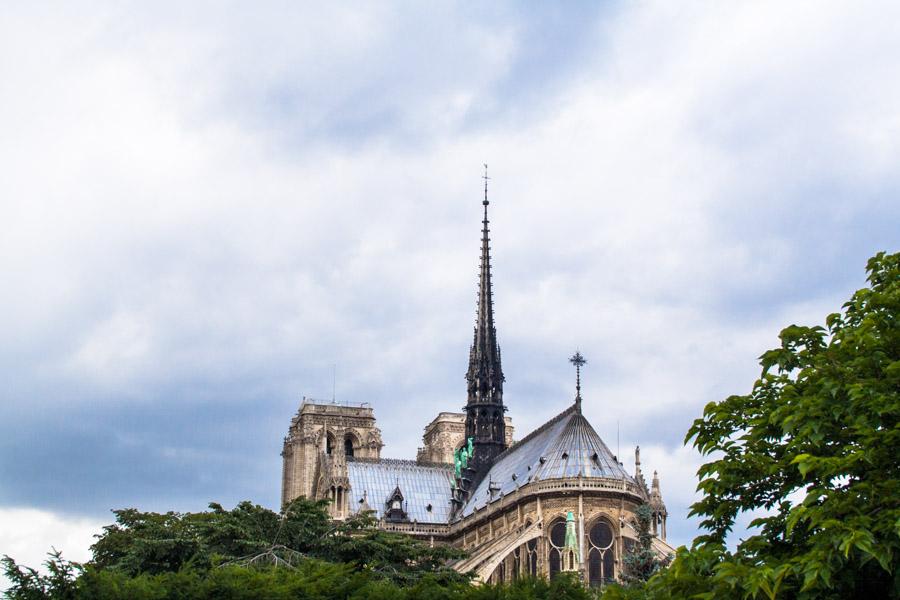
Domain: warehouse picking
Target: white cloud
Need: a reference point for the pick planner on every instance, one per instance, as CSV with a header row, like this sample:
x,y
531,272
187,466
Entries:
x,y
27,535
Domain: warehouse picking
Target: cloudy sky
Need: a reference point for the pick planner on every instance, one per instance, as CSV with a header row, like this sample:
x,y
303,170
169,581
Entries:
x,y
210,210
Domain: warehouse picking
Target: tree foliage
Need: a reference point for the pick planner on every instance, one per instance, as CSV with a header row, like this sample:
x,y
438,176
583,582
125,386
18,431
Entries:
x,y
312,579
27,583
813,451
152,543
641,562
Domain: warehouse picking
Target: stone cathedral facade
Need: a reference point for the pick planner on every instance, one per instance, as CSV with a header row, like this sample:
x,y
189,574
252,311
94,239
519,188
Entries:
x,y
555,500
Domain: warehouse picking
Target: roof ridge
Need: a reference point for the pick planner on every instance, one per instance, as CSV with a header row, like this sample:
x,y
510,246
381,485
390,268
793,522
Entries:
x,y
399,462
586,425
536,432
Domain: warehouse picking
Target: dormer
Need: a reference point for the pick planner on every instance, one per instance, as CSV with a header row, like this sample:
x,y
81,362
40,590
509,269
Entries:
x,y
394,511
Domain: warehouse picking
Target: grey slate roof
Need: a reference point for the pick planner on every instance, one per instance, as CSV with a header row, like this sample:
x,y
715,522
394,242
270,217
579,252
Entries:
x,y
420,485
567,444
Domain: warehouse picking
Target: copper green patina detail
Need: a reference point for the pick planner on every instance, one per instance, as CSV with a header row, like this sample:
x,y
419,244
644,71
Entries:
x,y
461,457
571,538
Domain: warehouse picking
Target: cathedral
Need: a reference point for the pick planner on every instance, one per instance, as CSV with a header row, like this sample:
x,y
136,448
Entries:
x,y
555,500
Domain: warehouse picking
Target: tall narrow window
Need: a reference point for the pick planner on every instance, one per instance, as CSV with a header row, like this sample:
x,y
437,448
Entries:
x,y
601,555
348,446
557,542
532,547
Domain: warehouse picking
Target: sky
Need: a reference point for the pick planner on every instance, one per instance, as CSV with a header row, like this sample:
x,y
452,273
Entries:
x,y
212,210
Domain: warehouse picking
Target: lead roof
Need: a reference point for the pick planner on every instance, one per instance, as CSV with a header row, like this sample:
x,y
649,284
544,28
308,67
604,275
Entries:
x,y
566,446
421,485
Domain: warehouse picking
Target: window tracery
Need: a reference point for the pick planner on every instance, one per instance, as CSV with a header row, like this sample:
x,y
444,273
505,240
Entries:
x,y
601,553
556,547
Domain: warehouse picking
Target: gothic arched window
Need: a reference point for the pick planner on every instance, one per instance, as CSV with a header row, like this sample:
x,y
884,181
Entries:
x,y
557,542
329,444
348,445
601,553
531,557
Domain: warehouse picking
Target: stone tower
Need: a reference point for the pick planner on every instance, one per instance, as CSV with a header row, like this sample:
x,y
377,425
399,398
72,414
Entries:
x,y
321,436
484,409
446,434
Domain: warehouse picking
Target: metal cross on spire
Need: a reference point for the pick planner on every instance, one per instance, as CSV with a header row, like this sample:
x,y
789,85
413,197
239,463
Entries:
x,y
485,177
579,361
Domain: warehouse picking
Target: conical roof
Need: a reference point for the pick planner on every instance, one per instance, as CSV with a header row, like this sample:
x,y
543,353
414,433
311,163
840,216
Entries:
x,y
566,446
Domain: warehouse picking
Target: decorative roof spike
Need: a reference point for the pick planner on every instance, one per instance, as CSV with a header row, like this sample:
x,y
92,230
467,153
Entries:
x,y
579,361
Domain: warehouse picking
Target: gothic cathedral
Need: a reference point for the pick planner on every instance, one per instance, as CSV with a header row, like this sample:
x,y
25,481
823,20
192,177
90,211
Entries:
x,y
556,500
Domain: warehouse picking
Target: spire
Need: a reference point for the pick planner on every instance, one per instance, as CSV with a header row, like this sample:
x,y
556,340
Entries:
x,y
487,352
484,409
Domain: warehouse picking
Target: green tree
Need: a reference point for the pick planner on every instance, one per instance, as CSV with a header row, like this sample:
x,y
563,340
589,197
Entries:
x,y
153,543
27,584
391,555
147,542
641,562
813,451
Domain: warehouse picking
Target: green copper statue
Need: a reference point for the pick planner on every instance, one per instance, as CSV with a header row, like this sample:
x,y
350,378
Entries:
x,y
571,538
461,457
466,452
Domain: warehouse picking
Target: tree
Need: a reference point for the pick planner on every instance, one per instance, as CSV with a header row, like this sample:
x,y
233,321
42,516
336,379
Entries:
x,y
813,450
152,543
27,584
641,562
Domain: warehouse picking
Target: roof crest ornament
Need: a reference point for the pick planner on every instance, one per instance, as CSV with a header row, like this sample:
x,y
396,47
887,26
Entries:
x,y
579,361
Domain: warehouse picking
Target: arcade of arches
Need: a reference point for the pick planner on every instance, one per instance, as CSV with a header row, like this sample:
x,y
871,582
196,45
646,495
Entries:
x,y
548,555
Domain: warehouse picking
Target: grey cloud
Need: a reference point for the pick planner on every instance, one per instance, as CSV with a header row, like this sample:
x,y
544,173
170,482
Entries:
x,y
239,200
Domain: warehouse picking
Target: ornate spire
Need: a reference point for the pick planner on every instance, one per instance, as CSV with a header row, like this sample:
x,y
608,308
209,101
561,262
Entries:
x,y
656,500
658,507
484,409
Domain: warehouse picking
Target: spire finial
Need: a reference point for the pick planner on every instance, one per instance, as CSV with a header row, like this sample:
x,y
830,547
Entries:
x,y
579,361
485,177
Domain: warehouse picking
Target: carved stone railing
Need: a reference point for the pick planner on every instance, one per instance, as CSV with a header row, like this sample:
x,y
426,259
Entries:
x,y
606,485
413,528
